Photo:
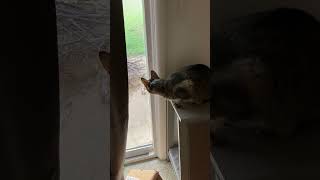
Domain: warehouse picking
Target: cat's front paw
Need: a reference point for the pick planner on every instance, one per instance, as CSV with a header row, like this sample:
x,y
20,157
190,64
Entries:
x,y
178,105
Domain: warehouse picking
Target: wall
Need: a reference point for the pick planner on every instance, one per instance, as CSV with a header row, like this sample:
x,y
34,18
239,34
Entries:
x,y
188,33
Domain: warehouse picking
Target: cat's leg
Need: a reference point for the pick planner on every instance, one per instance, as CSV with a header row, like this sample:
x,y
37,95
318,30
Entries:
x,y
286,123
216,131
202,101
179,106
178,103
199,101
281,120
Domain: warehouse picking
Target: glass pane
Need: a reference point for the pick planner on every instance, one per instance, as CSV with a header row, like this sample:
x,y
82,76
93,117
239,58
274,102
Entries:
x,y
140,124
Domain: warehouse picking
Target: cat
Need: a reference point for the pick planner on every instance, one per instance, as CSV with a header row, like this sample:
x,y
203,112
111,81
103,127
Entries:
x,y
189,85
265,67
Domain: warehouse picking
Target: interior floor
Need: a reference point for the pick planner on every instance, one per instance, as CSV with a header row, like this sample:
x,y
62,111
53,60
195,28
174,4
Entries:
x,y
163,167
246,156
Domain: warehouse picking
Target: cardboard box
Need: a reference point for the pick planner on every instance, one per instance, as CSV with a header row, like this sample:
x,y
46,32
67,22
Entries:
x,y
138,174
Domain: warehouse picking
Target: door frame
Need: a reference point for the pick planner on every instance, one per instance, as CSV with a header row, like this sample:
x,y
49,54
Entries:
x,y
154,12
155,20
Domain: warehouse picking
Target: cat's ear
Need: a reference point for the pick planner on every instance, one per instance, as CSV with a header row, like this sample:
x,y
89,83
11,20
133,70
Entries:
x,y
105,59
154,75
146,83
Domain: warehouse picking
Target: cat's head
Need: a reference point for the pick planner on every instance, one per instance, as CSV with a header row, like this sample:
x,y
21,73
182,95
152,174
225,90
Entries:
x,y
154,85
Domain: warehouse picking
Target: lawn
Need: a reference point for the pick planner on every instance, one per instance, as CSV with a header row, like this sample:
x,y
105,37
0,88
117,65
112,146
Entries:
x,y
134,27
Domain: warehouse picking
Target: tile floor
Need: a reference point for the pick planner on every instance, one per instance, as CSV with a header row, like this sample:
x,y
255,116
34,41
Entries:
x,y
163,167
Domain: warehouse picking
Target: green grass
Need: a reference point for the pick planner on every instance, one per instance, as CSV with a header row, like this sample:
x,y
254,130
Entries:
x,y
134,27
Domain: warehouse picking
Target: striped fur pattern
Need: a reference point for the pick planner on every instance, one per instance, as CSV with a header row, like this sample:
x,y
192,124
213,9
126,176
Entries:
x,y
188,85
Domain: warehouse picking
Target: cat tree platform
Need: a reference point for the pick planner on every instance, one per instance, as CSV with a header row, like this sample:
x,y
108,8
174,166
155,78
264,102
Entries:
x,y
189,150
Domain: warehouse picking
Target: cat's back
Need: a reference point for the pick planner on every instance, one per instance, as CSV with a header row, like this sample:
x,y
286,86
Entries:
x,y
269,33
195,72
285,42
190,83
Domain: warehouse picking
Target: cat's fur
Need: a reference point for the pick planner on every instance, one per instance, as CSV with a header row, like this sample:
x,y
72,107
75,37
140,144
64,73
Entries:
x,y
265,67
188,85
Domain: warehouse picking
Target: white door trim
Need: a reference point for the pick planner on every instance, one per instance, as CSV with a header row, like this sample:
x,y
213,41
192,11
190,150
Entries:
x,y
156,55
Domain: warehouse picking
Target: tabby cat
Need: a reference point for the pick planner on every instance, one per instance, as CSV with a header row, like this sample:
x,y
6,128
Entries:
x,y
188,85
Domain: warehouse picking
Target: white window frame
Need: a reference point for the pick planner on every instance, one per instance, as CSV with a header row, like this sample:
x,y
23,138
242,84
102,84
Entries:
x,y
155,48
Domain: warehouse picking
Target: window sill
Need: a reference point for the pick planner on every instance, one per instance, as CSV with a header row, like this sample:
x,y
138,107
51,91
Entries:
x,y
140,158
